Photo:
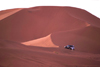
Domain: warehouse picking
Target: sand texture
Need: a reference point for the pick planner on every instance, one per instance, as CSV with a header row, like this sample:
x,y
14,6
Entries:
x,y
35,37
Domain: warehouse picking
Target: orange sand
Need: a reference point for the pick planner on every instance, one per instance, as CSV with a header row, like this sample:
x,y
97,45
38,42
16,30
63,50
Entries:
x,y
34,37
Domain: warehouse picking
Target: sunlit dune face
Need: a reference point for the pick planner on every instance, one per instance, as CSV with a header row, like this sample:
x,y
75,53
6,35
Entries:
x,y
41,42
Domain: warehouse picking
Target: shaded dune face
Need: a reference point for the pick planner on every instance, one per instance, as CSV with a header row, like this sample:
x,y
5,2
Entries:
x,y
85,16
33,23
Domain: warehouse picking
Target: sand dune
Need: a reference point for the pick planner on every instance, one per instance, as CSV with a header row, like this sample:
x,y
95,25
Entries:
x,y
25,25
6,13
85,39
24,56
34,37
84,15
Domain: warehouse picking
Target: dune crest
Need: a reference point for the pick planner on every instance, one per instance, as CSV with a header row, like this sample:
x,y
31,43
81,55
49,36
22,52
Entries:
x,y
7,13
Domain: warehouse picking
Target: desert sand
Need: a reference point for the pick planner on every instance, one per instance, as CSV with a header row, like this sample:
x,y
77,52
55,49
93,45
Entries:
x,y
35,37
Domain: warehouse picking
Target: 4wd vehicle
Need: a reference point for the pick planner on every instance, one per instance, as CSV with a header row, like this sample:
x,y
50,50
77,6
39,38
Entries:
x,y
71,47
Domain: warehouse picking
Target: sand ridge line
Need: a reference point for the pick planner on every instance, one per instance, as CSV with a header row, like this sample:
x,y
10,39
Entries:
x,y
3,16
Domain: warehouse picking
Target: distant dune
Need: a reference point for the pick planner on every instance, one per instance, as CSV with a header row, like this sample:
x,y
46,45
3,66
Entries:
x,y
35,37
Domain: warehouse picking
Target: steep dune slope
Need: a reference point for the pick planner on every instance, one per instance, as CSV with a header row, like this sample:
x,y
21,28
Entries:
x,y
85,16
33,23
